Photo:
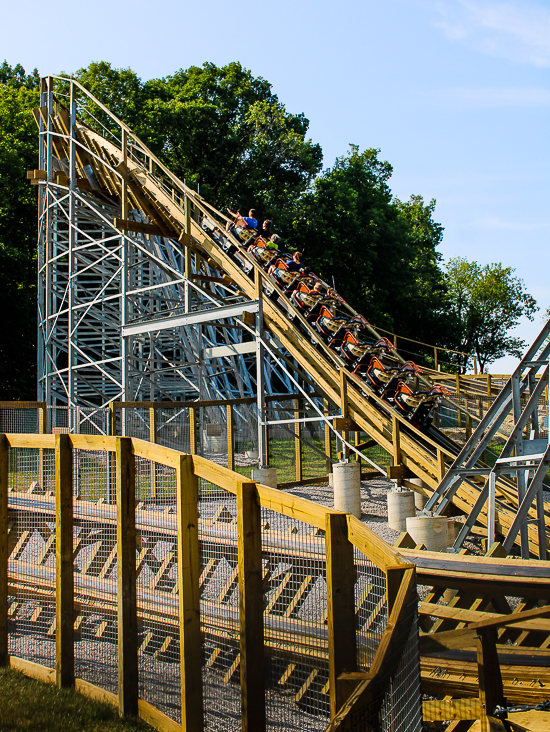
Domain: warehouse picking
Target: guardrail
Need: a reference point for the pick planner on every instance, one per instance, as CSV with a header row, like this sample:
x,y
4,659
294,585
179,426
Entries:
x,y
211,580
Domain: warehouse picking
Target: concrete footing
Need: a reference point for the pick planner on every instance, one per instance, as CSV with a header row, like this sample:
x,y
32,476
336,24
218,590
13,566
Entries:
x,y
347,488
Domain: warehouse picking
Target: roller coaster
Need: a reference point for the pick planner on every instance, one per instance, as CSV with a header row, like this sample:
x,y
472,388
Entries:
x,y
145,293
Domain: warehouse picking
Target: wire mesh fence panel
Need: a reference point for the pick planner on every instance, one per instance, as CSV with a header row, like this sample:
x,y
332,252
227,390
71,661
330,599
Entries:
x,y
371,611
173,428
295,624
95,568
157,587
401,708
282,439
212,427
135,422
219,607
19,420
31,555
245,438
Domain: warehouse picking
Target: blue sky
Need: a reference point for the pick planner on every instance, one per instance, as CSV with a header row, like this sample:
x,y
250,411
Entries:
x,y
455,93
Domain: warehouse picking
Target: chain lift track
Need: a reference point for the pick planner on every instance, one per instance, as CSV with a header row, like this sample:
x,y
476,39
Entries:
x,y
137,301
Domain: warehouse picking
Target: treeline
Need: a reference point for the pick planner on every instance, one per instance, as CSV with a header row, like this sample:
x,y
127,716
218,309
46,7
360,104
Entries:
x,y
225,131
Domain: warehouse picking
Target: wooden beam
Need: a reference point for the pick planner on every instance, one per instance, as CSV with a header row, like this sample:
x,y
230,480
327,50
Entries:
x,y
126,578
251,609
64,561
137,226
4,453
340,606
491,691
434,711
192,431
187,486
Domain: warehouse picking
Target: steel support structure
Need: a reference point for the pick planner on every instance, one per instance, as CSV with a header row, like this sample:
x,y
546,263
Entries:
x,y
525,456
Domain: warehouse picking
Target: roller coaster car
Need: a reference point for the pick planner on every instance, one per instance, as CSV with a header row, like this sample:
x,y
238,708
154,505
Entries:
x,y
303,297
332,327
381,347
384,379
356,352
418,405
260,252
282,275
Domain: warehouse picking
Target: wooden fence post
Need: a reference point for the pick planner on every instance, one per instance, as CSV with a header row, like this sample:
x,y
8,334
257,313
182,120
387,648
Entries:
x,y
126,578
396,440
251,608
42,430
192,431
344,407
153,439
297,442
341,607
328,442
64,604
4,453
187,486
491,690
230,438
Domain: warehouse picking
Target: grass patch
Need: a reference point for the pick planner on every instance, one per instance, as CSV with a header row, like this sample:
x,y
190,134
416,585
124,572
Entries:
x,y
28,705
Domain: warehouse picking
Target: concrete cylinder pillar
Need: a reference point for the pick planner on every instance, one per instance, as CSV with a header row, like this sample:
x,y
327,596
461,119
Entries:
x,y
419,499
347,487
265,476
430,531
400,507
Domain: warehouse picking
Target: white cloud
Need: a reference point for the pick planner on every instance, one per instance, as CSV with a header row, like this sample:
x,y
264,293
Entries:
x,y
498,97
519,31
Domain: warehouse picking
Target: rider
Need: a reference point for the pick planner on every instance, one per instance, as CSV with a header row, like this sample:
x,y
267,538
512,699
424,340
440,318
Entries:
x,y
249,223
292,265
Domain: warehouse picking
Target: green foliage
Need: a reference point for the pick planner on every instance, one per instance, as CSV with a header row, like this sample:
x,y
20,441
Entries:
x,y
381,252
16,77
18,215
27,705
483,303
220,128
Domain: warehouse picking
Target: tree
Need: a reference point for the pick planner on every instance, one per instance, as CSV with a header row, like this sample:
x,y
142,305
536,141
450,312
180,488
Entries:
x,y
219,128
483,303
18,153
381,252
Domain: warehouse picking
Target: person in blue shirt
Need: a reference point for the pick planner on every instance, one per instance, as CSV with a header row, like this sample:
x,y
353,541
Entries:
x,y
242,227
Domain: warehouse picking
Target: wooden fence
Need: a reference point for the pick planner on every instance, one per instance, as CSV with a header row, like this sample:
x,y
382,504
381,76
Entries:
x,y
351,686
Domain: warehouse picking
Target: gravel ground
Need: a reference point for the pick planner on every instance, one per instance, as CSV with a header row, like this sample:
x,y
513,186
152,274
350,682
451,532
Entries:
x,y
374,509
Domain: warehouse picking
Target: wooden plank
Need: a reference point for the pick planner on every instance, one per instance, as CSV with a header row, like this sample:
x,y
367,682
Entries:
x,y
189,596
28,440
4,452
372,546
126,578
192,431
328,442
34,670
491,691
251,609
433,711
155,718
341,606
297,442
137,226
64,561
230,438
299,508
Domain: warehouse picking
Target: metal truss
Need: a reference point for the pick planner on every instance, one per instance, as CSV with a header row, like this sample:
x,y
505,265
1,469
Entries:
x,y
525,455
100,284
